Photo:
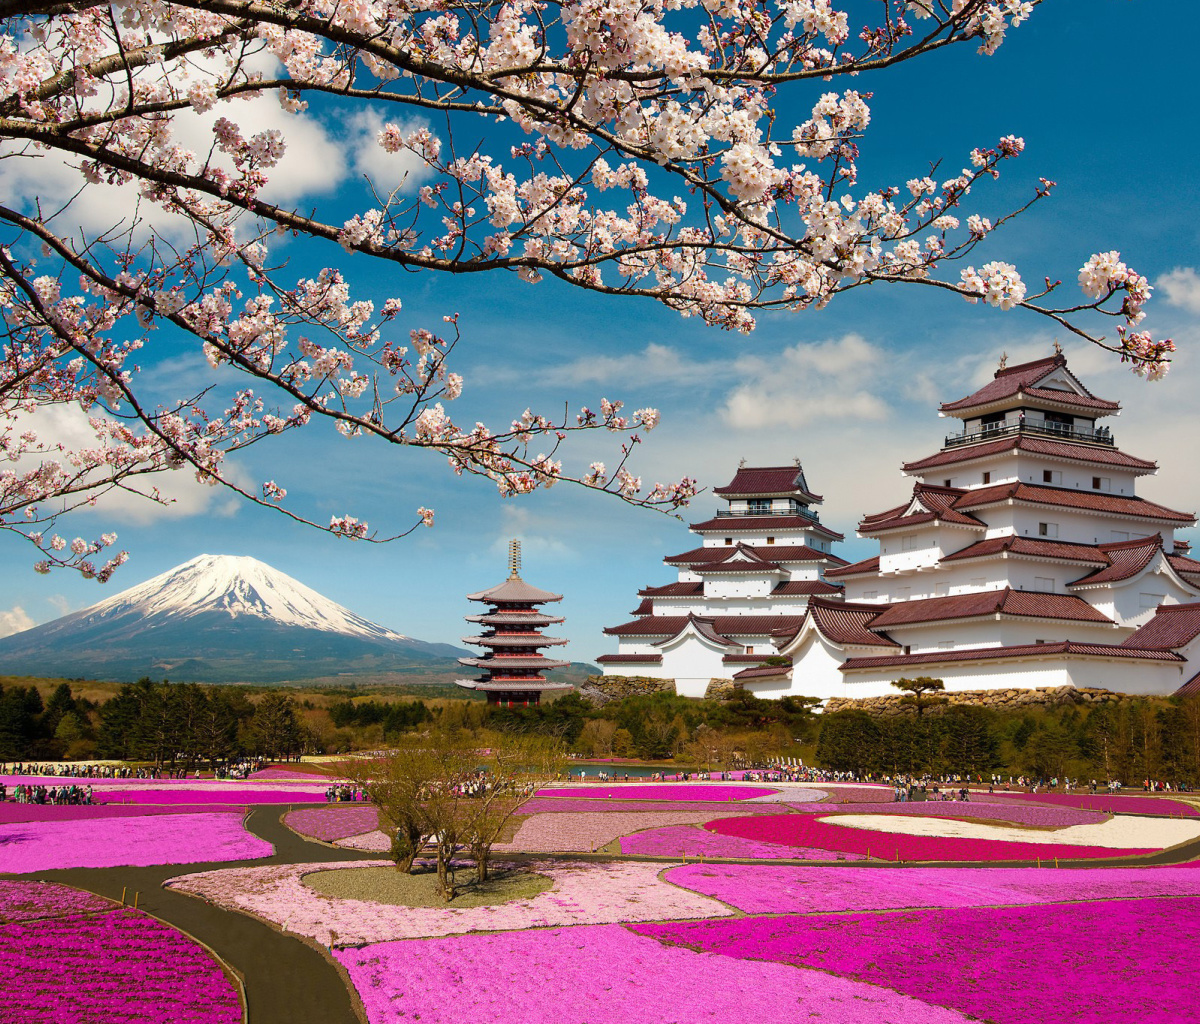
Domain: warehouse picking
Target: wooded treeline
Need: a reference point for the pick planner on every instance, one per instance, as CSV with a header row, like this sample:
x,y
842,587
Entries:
x,y
190,725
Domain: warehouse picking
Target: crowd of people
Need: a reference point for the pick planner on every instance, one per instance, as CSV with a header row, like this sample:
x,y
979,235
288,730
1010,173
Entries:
x,y
68,770
57,796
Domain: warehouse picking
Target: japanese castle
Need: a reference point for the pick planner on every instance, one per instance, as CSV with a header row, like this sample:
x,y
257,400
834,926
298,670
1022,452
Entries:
x,y
1022,558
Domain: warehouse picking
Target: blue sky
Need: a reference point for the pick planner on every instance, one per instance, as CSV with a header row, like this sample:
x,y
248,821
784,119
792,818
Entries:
x,y
1096,87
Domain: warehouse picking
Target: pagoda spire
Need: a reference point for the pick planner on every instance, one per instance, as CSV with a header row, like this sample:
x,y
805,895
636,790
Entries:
x,y
514,559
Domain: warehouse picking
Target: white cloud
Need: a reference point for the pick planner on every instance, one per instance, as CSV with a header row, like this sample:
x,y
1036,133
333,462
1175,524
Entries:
x,y
1182,286
181,494
808,383
387,171
15,620
60,603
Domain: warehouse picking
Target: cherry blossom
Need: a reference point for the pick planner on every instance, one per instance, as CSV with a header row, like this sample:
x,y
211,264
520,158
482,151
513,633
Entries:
x,y
650,158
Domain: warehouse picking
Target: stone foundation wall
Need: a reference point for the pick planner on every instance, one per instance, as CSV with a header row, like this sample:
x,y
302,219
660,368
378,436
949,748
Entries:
x,y
599,690
999,699
720,689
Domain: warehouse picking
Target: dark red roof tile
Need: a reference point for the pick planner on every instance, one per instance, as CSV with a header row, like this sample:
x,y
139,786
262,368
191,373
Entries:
x,y
763,672
1061,649
868,566
766,480
1022,603
1125,560
846,623
757,524
1032,546
630,659
674,590
1024,378
1096,454
928,503
1173,625
726,625
778,553
798,588
1064,497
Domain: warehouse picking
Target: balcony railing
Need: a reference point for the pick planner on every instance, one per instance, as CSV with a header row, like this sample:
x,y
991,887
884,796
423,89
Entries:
x,y
1058,431
803,513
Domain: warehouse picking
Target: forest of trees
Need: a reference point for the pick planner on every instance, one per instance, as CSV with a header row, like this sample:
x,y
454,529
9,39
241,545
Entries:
x,y
199,726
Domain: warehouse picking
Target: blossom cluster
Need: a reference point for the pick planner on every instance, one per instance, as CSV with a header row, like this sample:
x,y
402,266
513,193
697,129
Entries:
x,y
336,821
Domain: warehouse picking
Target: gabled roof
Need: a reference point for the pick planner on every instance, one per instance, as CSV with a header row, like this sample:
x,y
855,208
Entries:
x,y
778,553
645,607
928,504
739,558
1125,560
514,591
705,626
1022,603
1034,547
844,623
1173,626
726,625
1061,649
1023,379
760,524
1065,497
867,567
1100,455
767,481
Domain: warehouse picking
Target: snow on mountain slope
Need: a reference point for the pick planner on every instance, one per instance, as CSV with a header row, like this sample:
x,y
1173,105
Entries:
x,y
236,585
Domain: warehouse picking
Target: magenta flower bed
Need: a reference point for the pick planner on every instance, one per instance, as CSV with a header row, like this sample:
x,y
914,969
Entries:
x,y
45,812
288,774
1036,815
120,966
689,841
134,841
27,901
683,791
566,805
604,974
338,821
865,794
778,889
806,830
219,794
1087,963
1115,803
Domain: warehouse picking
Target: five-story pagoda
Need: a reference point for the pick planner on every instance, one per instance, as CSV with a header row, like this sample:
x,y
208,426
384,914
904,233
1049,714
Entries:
x,y
512,661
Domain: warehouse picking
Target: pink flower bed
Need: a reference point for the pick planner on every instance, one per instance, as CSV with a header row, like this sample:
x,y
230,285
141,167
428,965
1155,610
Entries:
x,y
573,833
685,840
605,975
116,967
868,794
27,901
806,830
289,774
337,821
1034,815
1115,803
1087,963
582,894
218,794
683,791
134,841
777,889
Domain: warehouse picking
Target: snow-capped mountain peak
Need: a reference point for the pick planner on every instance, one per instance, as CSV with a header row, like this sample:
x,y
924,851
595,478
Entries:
x,y
236,585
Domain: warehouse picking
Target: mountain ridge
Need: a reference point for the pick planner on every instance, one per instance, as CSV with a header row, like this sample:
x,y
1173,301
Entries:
x,y
219,618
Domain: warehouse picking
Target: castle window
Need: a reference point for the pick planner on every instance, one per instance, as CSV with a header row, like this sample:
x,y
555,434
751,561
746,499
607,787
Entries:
x,y
770,540
987,477
1101,483
947,483
1048,530
1043,584
759,506
1051,476
729,542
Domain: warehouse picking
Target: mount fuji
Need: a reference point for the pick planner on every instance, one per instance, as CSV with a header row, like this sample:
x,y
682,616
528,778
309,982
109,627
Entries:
x,y
220,618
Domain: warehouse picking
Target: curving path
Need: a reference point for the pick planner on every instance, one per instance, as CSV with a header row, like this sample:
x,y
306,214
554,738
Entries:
x,y
287,981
